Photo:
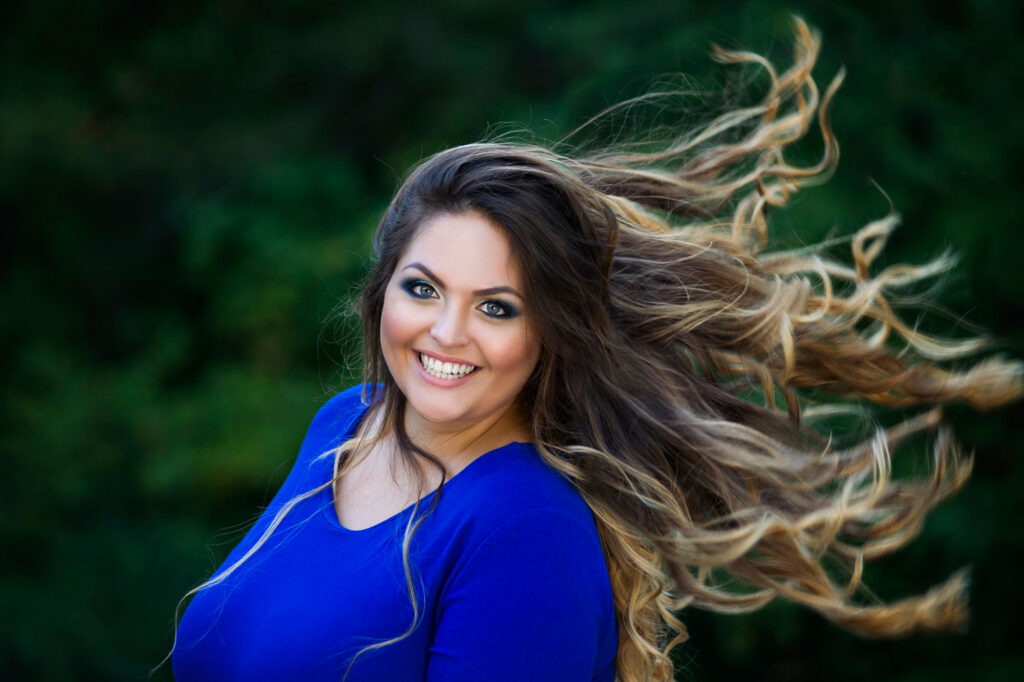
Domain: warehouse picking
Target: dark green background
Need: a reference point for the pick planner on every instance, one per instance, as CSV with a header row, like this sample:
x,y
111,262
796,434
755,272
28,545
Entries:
x,y
187,192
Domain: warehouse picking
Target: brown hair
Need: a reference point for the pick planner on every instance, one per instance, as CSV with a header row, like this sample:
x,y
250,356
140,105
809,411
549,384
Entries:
x,y
694,423
688,423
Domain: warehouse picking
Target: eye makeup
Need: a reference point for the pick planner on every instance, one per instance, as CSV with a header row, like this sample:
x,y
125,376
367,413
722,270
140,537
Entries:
x,y
498,309
494,308
418,288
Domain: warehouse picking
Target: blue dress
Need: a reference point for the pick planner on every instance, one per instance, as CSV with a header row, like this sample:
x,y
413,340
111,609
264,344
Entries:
x,y
509,576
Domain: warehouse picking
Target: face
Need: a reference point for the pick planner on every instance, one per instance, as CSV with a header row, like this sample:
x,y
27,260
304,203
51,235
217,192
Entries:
x,y
454,332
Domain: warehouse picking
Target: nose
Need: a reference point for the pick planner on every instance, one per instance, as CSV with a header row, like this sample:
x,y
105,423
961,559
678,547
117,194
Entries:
x,y
449,329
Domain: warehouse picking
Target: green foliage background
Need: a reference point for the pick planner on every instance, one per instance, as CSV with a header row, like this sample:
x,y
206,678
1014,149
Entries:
x,y
188,191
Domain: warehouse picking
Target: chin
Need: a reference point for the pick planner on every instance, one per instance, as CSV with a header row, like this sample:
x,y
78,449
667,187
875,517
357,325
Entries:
x,y
435,412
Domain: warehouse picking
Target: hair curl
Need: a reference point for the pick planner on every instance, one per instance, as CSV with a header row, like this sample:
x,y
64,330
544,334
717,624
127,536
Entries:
x,y
691,423
682,313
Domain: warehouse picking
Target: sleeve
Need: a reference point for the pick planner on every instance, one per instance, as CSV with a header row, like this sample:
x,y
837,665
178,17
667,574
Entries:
x,y
526,604
327,429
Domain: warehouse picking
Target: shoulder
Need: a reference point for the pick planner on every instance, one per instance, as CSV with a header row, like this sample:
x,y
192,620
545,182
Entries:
x,y
343,407
335,419
331,426
525,553
513,482
515,509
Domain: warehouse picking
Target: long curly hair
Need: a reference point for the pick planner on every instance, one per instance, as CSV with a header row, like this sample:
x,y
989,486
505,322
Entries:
x,y
683,366
688,372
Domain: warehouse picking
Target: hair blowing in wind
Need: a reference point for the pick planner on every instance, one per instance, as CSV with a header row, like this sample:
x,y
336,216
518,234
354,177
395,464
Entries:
x,y
698,489
662,313
687,368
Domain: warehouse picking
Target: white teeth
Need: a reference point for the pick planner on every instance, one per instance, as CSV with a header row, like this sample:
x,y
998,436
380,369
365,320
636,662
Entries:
x,y
445,370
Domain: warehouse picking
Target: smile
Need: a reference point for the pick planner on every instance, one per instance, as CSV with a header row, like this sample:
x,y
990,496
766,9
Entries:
x,y
445,370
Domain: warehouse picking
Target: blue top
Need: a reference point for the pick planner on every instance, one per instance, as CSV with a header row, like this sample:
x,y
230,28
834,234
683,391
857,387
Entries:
x,y
509,575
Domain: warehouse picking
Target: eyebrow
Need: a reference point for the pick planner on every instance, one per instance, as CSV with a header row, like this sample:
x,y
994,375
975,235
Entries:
x,y
479,292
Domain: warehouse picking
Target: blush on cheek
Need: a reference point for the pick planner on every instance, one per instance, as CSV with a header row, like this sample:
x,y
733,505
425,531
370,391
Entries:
x,y
392,333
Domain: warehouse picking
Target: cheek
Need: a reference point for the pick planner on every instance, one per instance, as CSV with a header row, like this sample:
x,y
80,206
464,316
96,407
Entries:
x,y
517,355
396,328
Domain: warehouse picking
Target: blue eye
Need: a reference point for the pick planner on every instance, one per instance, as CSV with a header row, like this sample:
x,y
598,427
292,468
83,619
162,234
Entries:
x,y
498,309
417,288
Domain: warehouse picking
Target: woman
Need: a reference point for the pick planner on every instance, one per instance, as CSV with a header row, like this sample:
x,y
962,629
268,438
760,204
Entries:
x,y
591,403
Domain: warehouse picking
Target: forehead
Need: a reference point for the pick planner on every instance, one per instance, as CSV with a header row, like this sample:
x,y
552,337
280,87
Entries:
x,y
464,249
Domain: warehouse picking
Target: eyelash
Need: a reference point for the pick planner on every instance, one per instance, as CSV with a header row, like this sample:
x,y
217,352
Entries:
x,y
414,288
419,289
507,311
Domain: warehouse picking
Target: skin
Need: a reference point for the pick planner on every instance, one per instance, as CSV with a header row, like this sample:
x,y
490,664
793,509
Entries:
x,y
455,295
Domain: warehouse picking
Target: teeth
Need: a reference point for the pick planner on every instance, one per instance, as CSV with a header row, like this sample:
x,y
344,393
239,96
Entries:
x,y
445,370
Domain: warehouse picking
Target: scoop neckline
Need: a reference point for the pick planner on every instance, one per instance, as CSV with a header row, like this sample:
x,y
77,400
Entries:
x,y
332,516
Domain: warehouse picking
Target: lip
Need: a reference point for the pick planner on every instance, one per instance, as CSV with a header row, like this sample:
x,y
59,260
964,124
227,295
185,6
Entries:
x,y
443,358
434,381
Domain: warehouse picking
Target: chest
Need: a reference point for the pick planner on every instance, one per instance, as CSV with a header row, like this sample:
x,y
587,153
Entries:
x,y
374,489
304,606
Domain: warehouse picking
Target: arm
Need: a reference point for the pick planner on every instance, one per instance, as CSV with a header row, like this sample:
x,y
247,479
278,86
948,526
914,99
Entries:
x,y
531,602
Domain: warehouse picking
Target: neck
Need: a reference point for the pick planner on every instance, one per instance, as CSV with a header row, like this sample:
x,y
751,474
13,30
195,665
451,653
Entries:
x,y
458,444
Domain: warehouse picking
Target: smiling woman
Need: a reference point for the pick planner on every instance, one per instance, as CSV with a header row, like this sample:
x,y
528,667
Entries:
x,y
452,332
594,398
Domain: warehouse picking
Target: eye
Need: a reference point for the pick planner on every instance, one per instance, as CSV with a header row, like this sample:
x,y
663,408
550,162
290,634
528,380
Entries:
x,y
417,288
498,309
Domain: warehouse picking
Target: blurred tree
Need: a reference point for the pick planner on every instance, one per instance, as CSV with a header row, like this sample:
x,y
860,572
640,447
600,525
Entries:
x,y
189,190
